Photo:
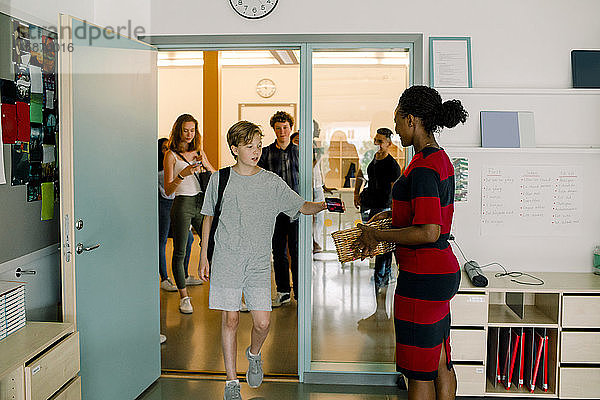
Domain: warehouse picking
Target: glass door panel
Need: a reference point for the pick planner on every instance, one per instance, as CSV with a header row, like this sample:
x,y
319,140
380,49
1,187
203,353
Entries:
x,y
355,92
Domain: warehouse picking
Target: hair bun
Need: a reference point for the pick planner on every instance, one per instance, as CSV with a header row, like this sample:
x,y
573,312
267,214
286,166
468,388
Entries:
x,y
451,113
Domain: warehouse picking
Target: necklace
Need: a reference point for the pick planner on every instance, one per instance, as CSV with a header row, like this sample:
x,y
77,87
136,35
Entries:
x,y
430,145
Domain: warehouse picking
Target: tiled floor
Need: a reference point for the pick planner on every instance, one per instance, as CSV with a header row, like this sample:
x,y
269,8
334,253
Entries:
x,y
212,389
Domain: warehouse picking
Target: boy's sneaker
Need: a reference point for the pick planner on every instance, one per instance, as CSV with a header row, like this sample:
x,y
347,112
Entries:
x,y
232,391
168,286
163,338
254,376
281,299
185,305
191,281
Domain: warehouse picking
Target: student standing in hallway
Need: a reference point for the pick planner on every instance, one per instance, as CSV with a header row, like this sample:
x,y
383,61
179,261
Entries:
x,y
376,197
281,157
241,264
429,274
183,161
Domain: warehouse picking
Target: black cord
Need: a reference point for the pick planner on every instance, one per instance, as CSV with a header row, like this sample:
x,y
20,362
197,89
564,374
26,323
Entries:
x,y
511,274
515,274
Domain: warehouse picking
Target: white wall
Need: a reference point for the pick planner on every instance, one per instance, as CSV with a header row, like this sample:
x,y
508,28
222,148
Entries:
x,y
45,13
515,43
179,92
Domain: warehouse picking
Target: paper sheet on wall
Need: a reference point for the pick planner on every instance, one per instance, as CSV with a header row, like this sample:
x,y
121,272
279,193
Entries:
x,y
461,179
451,65
47,200
531,200
2,176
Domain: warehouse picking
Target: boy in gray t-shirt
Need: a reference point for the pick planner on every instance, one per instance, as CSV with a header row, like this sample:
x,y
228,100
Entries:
x,y
241,260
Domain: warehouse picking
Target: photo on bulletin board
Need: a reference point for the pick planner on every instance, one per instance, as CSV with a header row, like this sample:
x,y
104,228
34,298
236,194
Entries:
x,y
19,164
450,62
35,143
23,83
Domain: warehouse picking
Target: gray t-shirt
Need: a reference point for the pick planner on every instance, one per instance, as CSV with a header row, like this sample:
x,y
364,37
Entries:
x,y
249,208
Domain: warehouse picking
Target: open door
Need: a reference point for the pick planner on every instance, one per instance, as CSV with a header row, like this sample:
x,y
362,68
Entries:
x,y
108,131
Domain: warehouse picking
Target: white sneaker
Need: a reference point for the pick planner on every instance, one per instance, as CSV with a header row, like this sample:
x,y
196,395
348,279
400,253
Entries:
x,y
185,305
281,299
191,281
168,286
163,338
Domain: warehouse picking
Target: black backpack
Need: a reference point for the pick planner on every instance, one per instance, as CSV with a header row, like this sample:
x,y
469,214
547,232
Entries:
x,y
223,178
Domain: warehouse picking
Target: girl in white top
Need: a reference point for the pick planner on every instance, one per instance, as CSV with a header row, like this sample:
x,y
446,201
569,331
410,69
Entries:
x,y
183,161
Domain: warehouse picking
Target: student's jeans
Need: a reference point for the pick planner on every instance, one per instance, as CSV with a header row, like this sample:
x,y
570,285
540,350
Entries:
x,y
164,222
383,263
285,237
185,212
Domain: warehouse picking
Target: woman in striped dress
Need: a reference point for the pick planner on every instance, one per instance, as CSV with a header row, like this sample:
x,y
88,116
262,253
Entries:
x,y
429,274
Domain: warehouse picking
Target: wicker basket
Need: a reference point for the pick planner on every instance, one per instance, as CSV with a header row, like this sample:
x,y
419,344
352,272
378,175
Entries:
x,y
346,241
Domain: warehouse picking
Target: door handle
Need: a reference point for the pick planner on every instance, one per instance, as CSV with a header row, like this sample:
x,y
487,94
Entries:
x,y
19,272
80,249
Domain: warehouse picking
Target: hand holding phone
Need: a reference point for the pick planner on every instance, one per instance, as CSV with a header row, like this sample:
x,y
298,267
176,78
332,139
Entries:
x,y
334,204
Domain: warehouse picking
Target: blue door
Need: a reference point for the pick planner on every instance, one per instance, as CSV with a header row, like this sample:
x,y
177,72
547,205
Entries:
x,y
108,89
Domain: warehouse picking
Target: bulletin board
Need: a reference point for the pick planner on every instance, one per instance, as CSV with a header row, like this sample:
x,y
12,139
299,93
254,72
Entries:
x,y
28,129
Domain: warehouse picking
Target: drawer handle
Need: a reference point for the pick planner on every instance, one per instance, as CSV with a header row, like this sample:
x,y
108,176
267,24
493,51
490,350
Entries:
x,y
20,272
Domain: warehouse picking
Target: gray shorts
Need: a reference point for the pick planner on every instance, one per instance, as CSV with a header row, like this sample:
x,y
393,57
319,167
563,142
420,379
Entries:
x,y
230,278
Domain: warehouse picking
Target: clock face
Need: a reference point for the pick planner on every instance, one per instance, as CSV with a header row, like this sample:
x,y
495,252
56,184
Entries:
x,y
265,88
253,9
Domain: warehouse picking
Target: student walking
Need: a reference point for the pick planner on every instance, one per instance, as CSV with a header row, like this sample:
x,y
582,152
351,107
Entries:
x,y
281,157
184,160
241,263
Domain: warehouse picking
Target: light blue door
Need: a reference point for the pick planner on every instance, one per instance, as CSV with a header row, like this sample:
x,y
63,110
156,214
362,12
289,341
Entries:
x,y
109,102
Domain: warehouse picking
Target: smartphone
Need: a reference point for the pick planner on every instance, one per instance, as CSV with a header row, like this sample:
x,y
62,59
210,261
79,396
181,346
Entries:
x,y
334,204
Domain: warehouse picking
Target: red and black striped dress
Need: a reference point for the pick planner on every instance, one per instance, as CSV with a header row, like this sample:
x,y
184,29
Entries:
x,y
429,274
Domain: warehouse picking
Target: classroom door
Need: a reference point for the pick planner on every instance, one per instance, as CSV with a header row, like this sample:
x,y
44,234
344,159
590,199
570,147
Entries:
x,y
108,89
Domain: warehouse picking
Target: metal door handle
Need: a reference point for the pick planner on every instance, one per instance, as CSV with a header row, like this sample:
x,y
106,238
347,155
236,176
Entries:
x,y
80,249
19,272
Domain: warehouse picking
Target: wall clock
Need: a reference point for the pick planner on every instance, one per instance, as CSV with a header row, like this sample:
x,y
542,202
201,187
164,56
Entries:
x,y
265,88
253,9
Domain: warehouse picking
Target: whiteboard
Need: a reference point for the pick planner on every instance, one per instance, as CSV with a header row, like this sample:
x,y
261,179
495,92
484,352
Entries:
x,y
522,245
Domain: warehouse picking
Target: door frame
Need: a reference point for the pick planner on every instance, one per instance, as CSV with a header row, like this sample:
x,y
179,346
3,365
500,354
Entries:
x,y
307,43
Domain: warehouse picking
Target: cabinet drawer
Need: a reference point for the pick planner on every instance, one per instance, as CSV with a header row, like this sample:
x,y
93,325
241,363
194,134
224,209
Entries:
x,y
50,372
581,312
467,345
70,392
579,383
469,309
580,347
470,380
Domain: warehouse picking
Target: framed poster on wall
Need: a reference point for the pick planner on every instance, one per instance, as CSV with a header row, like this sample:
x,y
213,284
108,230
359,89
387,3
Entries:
x,y
261,113
450,62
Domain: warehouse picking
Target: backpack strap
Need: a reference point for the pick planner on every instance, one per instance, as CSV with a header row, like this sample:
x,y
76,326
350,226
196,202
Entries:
x,y
223,179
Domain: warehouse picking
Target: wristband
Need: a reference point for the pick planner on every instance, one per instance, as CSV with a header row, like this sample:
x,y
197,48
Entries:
x,y
180,177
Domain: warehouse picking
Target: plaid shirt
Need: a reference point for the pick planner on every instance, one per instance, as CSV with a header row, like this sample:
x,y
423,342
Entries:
x,y
284,163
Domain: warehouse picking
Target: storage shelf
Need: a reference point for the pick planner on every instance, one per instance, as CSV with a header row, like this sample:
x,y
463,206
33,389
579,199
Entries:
x,y
500,390
534,150
501,315
520,91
